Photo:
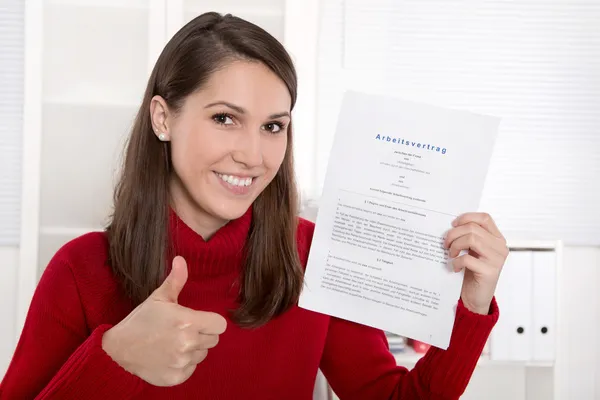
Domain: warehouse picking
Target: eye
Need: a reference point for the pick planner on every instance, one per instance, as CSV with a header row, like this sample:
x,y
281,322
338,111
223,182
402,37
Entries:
x,y
273,127
223,119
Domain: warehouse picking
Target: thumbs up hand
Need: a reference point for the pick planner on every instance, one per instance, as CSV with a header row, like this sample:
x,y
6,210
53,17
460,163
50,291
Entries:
x,y
161,341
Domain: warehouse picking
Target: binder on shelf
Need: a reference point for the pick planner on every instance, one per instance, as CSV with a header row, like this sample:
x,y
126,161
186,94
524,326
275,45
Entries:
x,y
544,305
511,338
396,343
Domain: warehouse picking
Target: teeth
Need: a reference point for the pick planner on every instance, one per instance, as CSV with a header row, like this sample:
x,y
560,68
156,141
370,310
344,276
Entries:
x,y
236,181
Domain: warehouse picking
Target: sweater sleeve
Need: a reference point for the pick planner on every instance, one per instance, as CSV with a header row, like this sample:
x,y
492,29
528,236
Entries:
x,y
358,364
56,356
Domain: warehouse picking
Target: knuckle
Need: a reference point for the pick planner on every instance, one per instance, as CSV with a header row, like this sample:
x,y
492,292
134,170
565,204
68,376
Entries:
x,y
453,248
473,240
183,348
179,361
184,344
472,227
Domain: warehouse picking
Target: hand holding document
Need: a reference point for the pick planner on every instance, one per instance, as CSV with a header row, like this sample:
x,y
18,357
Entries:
x,y
398,174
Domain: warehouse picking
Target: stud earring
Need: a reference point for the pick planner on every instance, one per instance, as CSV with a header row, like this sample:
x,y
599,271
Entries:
x,y
162,137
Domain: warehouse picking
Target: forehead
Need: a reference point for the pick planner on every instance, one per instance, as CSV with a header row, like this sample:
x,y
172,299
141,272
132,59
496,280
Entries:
x,y
250,85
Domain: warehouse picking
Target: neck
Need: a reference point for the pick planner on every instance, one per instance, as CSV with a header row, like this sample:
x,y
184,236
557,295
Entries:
x,y
223,253
192,215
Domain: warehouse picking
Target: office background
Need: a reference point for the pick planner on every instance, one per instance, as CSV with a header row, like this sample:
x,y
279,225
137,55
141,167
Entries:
x,y
72,73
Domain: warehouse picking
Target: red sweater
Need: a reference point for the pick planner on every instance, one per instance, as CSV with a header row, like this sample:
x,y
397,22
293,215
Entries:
x,y
59,354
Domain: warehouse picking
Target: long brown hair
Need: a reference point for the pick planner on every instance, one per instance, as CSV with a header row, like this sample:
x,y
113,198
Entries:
x,y
138,232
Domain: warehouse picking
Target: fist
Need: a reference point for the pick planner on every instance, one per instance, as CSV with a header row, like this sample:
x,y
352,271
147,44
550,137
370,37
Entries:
x,y
485,252
161,341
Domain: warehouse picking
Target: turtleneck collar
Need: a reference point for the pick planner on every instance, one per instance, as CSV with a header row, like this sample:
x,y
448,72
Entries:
x,y
221,254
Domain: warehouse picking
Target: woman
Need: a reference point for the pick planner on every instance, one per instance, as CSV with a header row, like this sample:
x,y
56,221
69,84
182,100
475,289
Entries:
x,y
207,199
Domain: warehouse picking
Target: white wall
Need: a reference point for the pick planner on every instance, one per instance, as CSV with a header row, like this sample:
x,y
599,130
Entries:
x,y
9,259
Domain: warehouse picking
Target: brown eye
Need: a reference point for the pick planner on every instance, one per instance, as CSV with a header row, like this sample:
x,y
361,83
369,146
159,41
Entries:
x,y
273,127
223,119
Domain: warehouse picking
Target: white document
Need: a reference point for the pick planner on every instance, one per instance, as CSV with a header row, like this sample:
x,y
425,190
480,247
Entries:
x,y
398,174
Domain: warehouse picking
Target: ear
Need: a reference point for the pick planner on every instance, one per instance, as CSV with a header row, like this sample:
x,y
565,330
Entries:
x,y
159,114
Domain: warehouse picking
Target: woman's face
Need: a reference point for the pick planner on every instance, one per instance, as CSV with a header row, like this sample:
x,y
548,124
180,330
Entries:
x,y
227,143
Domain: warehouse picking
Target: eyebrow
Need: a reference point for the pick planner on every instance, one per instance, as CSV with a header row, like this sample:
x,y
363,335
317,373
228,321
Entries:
x,y
241,110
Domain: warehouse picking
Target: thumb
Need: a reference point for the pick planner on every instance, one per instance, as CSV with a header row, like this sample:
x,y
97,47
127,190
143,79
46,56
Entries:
x,y
174,283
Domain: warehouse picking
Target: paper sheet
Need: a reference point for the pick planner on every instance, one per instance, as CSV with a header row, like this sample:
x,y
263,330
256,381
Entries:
x,y
398,174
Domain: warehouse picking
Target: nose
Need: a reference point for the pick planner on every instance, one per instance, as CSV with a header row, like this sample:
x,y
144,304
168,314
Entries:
x,y
248,149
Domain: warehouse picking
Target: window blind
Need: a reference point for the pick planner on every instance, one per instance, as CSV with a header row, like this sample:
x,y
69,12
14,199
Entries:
x,y
535,63
11,117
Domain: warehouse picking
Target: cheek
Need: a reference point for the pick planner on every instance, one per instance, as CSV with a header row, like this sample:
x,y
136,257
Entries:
x,y
274,153
186,156
191,155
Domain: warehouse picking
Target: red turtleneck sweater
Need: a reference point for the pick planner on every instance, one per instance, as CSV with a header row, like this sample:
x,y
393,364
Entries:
x,y
59,355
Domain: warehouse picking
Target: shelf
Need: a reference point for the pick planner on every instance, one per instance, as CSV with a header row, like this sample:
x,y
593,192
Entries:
x,y
74,101
410,358
67,231
243,12
126,4
274,24
268,14
256,7
95,52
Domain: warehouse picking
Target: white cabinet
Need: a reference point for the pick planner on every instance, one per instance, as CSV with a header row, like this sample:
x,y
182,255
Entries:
x,y
523,360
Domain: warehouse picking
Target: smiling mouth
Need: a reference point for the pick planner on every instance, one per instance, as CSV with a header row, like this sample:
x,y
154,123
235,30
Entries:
x,y
236,180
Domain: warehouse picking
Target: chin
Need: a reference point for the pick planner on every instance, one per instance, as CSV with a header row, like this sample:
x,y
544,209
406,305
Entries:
x,y
230,210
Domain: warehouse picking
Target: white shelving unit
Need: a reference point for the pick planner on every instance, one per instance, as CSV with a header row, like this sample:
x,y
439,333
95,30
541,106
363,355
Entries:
x,y
87,65
94,70
518,379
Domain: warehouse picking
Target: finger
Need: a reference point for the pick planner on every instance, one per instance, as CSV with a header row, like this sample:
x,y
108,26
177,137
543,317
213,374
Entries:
x,y
192,340
197,357
209,323
483,219
208,341
496,243
174,283
471,263
476,244
188,371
